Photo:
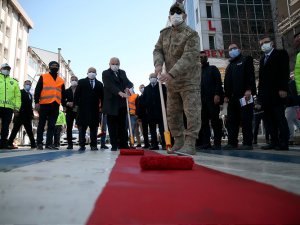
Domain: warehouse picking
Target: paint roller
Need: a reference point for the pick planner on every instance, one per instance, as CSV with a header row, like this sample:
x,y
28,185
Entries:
x,y
163,162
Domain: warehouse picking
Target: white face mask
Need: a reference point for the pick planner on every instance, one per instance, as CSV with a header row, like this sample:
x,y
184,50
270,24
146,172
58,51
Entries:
x,y
266,47
153,80
74,83
92,75
114,68
142,90
176,19
5,72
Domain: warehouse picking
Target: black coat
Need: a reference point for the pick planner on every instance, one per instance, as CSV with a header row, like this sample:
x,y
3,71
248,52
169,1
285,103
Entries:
x,y
152,103
239,77
88,101
211,83
273,76
69,97
26,105
112,86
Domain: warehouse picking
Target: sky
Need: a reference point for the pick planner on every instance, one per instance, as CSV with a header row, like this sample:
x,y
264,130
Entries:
x,y
90,32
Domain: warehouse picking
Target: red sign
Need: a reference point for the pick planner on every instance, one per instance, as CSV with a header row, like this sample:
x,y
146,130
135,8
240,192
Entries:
x,y
215,53
210,26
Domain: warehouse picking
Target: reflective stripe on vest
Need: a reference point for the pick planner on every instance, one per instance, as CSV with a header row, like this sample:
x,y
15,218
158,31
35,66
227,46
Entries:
x,y
131,104
51,89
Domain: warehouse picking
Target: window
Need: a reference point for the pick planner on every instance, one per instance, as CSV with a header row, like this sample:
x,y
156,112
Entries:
x,y
211,39
233,11
7,32
197,16
224,11
5,53
226,26
209,11
19,43
235,27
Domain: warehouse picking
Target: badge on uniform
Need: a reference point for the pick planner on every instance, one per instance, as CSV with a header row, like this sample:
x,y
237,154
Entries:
x,y
11,82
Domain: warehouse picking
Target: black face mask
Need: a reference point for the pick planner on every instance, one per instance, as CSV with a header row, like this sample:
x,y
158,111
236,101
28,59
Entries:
x,y
53,70
203,60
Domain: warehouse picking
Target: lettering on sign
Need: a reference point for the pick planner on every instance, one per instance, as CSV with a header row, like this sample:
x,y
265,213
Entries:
x,y
215,53
210,26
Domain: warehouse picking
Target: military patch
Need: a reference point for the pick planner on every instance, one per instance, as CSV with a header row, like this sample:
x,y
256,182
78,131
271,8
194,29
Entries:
x,y
11,82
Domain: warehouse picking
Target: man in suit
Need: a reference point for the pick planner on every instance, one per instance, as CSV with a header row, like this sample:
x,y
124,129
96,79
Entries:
x,y
70,110
116,90
88,99
152,103
24,117
272,92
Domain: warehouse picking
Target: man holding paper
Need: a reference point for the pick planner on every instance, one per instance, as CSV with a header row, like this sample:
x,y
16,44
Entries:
x,y
239,87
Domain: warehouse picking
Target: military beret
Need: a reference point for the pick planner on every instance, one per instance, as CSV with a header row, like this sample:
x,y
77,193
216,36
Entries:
x,y
179,6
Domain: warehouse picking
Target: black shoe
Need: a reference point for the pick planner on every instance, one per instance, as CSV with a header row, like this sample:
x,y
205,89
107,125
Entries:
x,y
12,147
114,149
33,146
39,147
268,147
138,146
282,148
94,148
230,147
81,149
51,147
254,142
154,148
291,142
70,147
104,147
146,146
246,147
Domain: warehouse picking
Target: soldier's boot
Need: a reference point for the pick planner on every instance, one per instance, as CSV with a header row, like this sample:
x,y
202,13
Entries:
x,y
189,146
179,142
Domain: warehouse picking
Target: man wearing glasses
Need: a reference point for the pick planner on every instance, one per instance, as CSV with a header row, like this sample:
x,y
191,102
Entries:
x,y
178,49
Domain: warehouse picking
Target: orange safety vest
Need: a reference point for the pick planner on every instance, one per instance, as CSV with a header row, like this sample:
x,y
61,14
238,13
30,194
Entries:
x,y
131,104
51,89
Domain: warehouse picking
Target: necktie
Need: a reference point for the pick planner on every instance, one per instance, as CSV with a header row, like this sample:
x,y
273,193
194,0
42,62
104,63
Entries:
x,y
266,59
92,83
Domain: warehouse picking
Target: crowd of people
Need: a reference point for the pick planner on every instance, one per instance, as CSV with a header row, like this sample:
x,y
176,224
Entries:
x,y
192,90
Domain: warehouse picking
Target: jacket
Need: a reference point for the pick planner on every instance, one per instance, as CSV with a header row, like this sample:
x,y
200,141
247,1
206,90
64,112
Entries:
x,y
297,73
52,89
211,83
10,95
178,47
239,77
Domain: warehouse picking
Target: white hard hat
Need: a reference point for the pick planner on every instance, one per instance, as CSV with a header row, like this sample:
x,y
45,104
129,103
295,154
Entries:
x,y
4,65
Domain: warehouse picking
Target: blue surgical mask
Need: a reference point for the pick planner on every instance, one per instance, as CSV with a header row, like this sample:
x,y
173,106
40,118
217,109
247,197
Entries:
x,y
267,47
27,87
233,53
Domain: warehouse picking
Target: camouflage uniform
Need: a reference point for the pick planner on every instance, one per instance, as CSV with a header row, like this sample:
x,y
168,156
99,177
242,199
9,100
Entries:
x,y
178,47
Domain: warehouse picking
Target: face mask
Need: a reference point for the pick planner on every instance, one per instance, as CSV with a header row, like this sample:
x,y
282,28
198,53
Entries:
x,y
114,68
176,19
153,80
142,90
5,72
73,83
91,75
234,53
266,47
53,70
27,87
203,59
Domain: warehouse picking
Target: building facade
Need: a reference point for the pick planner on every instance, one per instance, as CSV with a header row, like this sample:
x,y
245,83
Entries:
x,y
38,61
14,30
287,15
222,22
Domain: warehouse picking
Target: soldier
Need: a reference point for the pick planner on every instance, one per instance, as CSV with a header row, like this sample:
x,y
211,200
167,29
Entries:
x,y
178,48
